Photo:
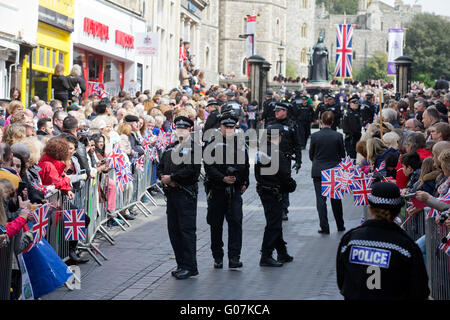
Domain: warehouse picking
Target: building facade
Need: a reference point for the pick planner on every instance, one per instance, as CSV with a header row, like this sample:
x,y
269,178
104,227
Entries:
x,y
269,38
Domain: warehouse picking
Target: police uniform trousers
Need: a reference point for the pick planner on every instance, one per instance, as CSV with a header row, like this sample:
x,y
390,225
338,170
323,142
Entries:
x,y
321,204
285,198
304,132
273,232
219,207
181,224
350,144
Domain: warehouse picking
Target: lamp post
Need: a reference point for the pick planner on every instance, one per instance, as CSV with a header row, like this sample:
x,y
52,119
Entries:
x,y
280,52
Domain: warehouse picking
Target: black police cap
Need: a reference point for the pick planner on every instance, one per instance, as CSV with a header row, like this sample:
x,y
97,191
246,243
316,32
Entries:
x,y
183,122
281,106
131,118
385,195
212,102
228,120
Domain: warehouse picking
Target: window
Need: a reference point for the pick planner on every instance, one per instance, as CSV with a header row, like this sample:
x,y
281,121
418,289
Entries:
x,y
304,30
304,4
244,67
140,73
303,56
277,29
354,54
207,57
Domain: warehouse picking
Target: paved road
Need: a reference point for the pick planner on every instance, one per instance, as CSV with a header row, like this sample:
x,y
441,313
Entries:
x,y
140,263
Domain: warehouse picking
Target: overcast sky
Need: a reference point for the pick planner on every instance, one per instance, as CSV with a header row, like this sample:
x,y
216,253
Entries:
x,y
441,7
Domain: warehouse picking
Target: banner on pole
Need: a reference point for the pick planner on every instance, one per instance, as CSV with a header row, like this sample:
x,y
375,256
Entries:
x,y
249,45
395,38
344,51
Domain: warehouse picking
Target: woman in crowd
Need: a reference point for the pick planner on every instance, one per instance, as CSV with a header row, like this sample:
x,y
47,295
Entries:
x,y
60,85
77,83
14,94
54,163
14,133
13,107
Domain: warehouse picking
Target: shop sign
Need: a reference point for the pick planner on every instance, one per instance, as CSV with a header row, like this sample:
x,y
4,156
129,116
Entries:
x,y
96,29
58,13
147,44
124,39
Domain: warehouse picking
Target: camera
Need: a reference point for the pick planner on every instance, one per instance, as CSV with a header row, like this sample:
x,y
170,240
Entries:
x,y
409,195
443,217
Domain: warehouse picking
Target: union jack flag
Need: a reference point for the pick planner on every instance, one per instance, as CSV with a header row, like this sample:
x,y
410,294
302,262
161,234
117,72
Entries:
x,y
146,144
74,226
154,155
77,91
331,184
363,219
346,164
361,188
381,167
115,159
344,51
140,163
99,89
433,212
445,246
164,139
41,188
39,228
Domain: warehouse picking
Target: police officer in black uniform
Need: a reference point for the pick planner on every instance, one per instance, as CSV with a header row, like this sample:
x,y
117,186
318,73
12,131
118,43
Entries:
x,y
290,144
351,125
305,115
273,176
268,114
180,188
227,177
213,120
330,106
378,260
368,110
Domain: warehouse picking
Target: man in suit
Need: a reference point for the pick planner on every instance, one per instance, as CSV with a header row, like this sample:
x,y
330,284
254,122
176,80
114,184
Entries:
x,y
326,151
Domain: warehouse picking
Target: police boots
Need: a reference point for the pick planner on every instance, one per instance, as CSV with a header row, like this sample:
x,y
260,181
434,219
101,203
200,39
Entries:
x,y
268,261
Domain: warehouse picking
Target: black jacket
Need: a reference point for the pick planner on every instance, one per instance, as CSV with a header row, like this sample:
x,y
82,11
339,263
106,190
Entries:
x,y
304,113
265,160
217,170
60,85
81,156
136,144
368,110
326,150
351,122
184,174
384,245
73,81
290,139
213,121
268,114
335,108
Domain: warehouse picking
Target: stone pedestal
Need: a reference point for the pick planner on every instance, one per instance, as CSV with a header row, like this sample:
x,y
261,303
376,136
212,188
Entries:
x,y
319,88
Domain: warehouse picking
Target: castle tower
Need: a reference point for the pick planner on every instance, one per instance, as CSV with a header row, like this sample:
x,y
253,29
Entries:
x,y
270,32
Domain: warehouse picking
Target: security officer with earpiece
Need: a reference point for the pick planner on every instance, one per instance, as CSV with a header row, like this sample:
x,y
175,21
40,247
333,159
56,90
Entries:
x,y
180,187
227,166
273,176
378,260
305,115
290,144
352,125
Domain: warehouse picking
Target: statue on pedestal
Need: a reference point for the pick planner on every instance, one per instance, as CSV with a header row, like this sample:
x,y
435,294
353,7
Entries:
x,y
318,64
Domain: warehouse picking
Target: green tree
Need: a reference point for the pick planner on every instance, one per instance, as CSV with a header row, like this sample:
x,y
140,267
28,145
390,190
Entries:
x,y
340,6
291,69
376,68
428,44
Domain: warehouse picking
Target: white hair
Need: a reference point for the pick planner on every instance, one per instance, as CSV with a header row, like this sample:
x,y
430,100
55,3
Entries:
x,y
45,111
76,70
391,139
389,114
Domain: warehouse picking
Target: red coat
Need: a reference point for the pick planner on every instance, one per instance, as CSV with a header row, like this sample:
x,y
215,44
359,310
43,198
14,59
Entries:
x,y
402,180
52,173
13,227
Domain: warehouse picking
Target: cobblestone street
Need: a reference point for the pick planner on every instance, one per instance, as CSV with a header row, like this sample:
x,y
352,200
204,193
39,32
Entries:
x,y
140,262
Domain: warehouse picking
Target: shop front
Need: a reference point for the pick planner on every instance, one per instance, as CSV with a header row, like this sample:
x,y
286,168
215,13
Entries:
x,y
55,25
103,45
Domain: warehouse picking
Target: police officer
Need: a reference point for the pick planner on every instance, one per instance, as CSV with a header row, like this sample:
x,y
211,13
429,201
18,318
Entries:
x,y
352,125
227,177
330,106
213,120
368,110
273,176
305,115
290,144
378,260
180,188
268,114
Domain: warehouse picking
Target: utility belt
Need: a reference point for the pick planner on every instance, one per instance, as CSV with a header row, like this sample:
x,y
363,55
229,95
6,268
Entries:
x,y
275,191
191,190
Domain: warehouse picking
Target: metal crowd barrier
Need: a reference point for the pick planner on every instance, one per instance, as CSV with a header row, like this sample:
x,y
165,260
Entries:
x,y
6,258
414,226
438,263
